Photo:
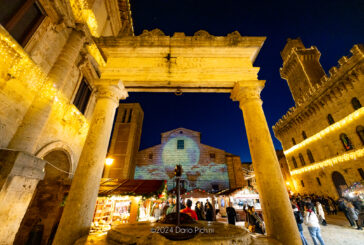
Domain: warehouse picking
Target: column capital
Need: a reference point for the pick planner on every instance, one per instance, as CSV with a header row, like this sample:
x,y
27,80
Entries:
x,y
110,89
245,91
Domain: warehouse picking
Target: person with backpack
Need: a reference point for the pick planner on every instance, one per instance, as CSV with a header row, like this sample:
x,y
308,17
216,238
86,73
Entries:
x,y
313,225
299,220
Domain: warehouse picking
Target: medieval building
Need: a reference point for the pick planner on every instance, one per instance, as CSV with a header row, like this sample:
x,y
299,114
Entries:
x,y
323,135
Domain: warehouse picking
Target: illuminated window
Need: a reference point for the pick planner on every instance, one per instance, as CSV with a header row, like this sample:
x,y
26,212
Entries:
x,y
355,103
150,156
294,162
310,157
303,184
346,142
21,18
318,181
330,119
302,159
304,135
293,141
361,172
360,132
212,155
180,144
82,96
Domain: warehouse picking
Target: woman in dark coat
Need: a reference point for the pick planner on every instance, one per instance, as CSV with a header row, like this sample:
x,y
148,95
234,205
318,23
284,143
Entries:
x,y
199,211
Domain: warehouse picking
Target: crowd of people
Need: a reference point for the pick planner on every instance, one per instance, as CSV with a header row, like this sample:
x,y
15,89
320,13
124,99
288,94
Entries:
x,y
309,210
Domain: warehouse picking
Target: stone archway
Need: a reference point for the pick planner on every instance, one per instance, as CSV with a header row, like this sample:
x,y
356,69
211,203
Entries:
x,y
339,182
42,217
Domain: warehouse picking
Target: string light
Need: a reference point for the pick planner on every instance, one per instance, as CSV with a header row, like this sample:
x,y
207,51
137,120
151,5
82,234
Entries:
x,y
331,162
356,115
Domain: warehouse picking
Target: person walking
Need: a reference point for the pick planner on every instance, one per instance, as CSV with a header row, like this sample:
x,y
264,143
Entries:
x,y
320,213
313,225
299,220
343,207
353,214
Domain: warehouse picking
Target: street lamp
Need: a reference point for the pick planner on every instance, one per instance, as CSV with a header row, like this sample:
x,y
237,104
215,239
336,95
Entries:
x,y
108,162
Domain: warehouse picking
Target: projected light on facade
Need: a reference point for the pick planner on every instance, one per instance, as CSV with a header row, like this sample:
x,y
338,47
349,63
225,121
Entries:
x,y
198,172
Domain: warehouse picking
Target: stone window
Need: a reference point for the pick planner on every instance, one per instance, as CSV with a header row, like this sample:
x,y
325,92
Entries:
x,y
330,119
302,159
82,96
361,172
318,181
294,162
21,18
346,142
130,114
150,156
212,155
360,132
304,135
310,156
303,184
355,103
293,141
180,144
124,116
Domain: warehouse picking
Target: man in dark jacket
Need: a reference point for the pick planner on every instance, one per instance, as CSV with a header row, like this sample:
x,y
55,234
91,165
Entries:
x,y
231,214
299,220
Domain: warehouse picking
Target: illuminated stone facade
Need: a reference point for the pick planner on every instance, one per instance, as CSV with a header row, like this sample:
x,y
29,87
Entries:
x,y
204,167
323,135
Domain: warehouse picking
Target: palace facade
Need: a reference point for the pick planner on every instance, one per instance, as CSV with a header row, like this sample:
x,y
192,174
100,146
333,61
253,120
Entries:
x,y
323,134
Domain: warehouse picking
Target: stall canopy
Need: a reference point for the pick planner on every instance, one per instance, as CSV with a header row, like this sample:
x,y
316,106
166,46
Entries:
x,y
114,187
197,193
242,193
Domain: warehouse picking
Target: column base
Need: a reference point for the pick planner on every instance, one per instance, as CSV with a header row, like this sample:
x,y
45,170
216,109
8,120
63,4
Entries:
x,y
20,173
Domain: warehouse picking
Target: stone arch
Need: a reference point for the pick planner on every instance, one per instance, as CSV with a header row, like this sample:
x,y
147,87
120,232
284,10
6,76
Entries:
x,y
58,146
339,182
45,210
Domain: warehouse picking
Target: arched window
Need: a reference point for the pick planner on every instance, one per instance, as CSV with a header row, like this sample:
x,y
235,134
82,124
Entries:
x,y
294,162
304,135
355,103
346,142
360,132
293,141
330,119
310,157
302,159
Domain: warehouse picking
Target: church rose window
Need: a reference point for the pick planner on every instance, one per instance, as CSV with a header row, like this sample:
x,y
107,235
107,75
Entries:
x,y
355,103
346,142
21,18
212,155
360,132
180,144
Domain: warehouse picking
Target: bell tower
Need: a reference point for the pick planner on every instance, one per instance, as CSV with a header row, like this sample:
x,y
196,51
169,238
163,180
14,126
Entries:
x,y
301,67
125,140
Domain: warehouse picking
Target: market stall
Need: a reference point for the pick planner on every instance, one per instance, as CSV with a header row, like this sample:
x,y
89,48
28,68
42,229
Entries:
x,y
126,201
355,191
238,197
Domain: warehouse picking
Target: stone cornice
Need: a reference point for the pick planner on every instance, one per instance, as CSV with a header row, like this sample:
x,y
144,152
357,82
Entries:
x,y
341,78
126,19
246,91
112,7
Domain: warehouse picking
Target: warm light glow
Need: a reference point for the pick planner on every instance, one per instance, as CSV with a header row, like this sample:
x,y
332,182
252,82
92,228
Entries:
x,y
95,53
83,13
109,161
356,115
287,183
348,156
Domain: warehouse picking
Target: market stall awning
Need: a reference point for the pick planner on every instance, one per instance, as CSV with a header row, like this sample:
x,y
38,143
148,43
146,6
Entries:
x,y
109,187
197,193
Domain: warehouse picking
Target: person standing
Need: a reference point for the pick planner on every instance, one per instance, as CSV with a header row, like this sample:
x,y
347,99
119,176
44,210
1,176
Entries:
x,y
313,225
353,214
188,210
231,214
299,220
320,213
343,207
199,211
209,211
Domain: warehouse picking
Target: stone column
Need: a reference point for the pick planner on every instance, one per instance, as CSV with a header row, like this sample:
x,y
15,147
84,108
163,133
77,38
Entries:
x,y
80,203
19,176
36,117
277,210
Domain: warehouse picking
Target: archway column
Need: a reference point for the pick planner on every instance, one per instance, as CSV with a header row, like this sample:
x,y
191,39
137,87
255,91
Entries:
x,y
80,203
277,211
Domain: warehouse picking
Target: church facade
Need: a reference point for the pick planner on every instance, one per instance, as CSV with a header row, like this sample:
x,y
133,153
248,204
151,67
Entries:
x,y
323,135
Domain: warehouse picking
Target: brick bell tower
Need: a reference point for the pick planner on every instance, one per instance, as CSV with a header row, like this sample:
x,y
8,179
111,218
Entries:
x,y
301,67
125,141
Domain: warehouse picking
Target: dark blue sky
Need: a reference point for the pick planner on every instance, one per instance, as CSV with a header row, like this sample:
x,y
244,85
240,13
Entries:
x,y
332,26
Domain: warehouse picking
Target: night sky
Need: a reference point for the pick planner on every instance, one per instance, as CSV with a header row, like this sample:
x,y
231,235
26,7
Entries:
x,y
332,26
